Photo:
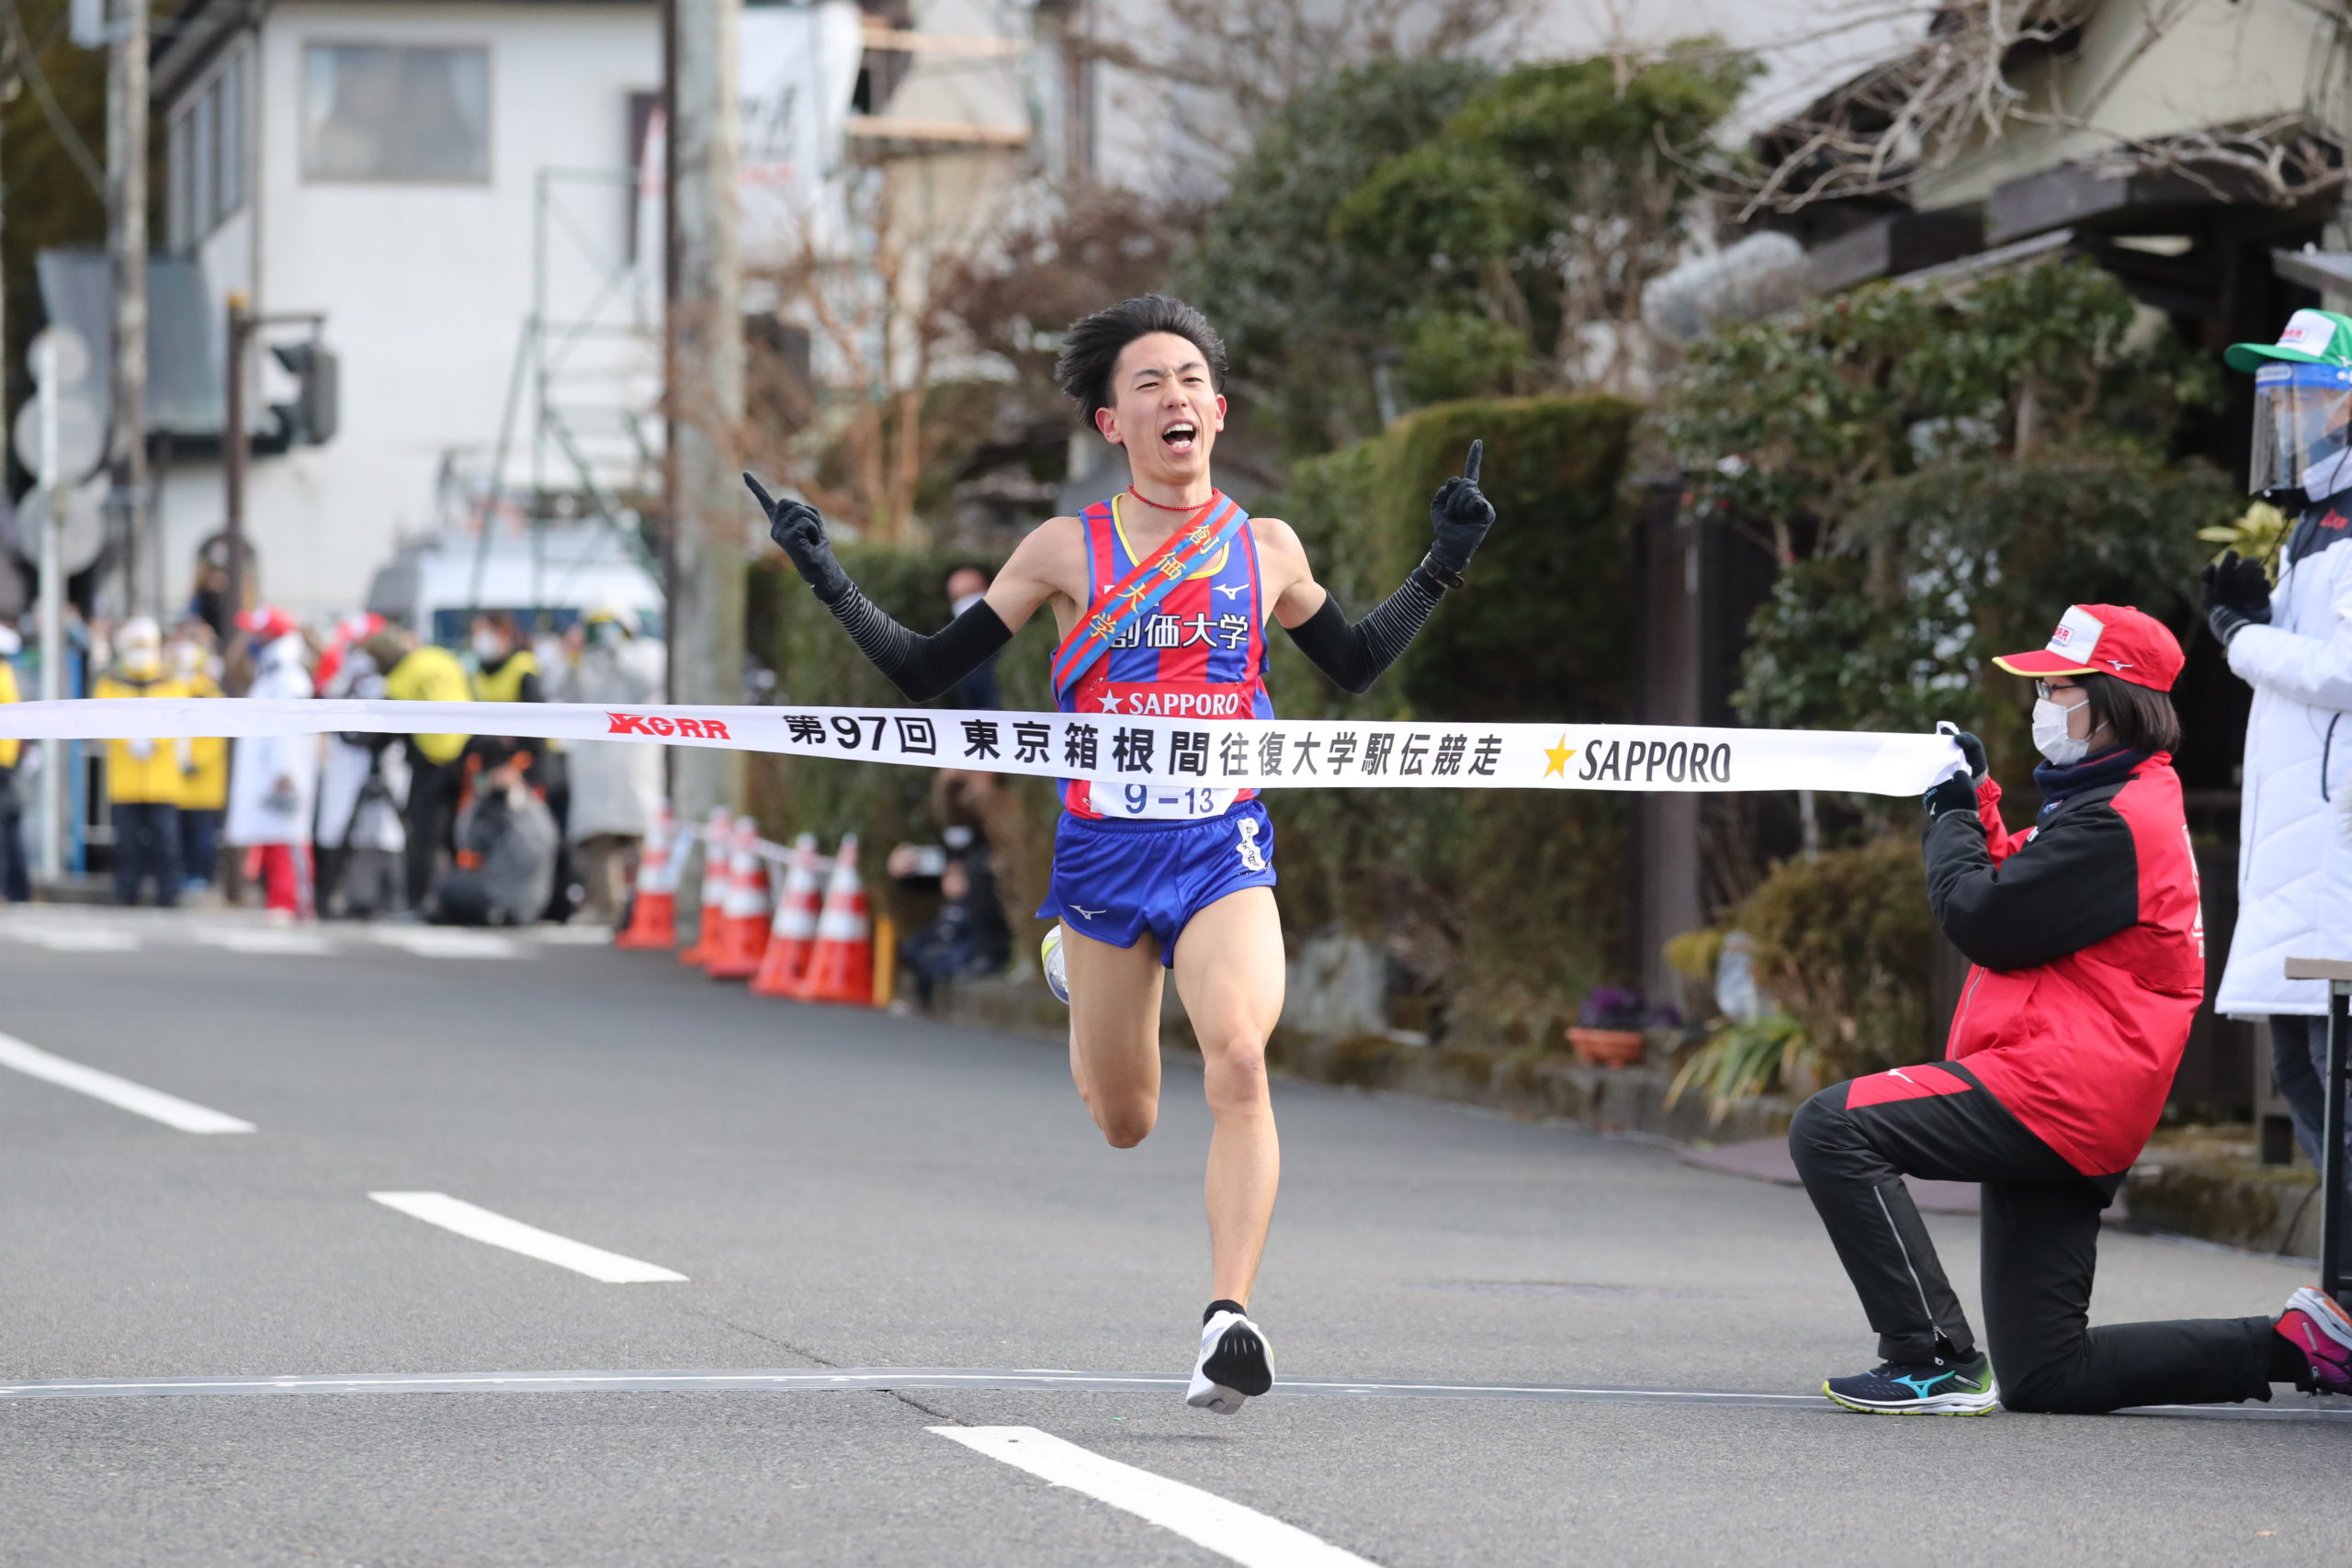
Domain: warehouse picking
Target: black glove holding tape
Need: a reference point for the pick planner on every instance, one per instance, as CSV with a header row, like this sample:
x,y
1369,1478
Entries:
x,y
2237,595
921,667
1958,793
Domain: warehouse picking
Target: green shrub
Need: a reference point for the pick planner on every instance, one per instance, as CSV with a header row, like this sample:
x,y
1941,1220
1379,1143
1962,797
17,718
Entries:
x,y
1844,944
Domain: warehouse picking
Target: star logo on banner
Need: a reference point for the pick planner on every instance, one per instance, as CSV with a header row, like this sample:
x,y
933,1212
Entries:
x,y
1558,755
1110,701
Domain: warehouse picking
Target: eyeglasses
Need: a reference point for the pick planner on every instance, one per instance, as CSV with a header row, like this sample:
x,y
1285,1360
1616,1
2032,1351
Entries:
x,y
2047,692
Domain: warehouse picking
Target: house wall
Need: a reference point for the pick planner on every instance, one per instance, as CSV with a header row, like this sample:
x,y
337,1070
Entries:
x,y
427,287
2219,61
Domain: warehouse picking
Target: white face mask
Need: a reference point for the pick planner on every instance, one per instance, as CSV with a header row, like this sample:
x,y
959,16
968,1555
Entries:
x,y
487,647
2050,737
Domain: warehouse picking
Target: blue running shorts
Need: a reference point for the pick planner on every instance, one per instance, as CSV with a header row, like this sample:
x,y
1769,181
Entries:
x,y
1116,879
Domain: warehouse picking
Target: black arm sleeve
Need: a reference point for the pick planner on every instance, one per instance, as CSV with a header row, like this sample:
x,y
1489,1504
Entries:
x,y
2077,881
921,667
1355,655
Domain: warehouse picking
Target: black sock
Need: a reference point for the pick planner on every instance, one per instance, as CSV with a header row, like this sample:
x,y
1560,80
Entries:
x,y
1221,1304
2287,1362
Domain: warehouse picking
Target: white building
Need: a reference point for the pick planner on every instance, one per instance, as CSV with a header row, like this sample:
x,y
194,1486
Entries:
x,y
384,163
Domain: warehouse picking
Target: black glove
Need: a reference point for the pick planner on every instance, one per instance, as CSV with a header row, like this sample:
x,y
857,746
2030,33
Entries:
x,y
2237,595
1971,751
1954,793
799,531
1459,516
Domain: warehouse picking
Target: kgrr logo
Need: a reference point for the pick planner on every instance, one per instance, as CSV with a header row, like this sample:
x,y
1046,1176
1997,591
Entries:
x,y
662,724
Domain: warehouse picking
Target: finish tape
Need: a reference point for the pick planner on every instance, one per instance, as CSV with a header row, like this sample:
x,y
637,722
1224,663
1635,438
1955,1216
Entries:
x,y
1155,752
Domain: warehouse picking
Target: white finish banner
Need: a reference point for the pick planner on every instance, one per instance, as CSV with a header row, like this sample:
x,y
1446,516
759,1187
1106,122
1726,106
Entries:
x,y
1147,756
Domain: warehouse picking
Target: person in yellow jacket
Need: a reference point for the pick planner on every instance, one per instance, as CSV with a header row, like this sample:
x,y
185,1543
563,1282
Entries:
x,y
144,778
204,794
16,886
425,674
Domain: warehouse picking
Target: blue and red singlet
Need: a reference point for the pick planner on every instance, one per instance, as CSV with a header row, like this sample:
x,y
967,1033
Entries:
x,y
1136,860
1200,654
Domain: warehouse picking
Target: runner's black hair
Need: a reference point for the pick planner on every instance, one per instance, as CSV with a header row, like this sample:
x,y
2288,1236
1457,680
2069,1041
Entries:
x,y
1091,348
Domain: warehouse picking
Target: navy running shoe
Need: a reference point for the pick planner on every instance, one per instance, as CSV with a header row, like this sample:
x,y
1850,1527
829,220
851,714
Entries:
x,y
1944,1386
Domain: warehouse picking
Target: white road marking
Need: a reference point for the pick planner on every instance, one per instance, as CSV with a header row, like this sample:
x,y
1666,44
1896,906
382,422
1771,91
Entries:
x,y
170,1110
480,1224
265,942
426,941
586,935
1245,1535
78,938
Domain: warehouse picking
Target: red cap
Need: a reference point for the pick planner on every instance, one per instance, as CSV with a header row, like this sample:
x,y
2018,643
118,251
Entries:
x,y
2105,640
265,621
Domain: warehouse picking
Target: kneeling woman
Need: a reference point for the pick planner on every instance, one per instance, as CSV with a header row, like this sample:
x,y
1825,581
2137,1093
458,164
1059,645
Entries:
x,y
2089,961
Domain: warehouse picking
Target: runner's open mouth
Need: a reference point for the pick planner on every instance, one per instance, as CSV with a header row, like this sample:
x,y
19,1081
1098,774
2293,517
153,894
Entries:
x,y
1179,437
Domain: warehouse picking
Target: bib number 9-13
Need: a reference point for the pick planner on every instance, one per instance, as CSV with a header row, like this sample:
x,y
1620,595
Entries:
x,y
1163,802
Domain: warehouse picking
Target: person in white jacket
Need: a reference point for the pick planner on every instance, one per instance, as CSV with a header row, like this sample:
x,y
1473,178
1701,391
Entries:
x,y
273,780
2293,645
615,786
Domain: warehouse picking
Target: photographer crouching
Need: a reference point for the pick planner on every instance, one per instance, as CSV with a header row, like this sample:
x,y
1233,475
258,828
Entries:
x,y
2088,957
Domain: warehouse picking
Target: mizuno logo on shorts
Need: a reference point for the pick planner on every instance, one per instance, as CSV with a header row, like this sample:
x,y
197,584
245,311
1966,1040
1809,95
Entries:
x,y
1083,913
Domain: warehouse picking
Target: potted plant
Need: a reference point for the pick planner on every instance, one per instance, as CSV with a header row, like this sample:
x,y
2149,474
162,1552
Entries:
x,y
1607,1030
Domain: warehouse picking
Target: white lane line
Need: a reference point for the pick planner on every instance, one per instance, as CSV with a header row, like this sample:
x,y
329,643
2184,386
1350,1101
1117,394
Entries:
x,y
480,1224
426,942
262,941
1245,1535
154,1104
77,939
586,935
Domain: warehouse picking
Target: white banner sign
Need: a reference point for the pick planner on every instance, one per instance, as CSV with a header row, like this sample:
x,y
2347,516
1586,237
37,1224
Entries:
x,y
1154,754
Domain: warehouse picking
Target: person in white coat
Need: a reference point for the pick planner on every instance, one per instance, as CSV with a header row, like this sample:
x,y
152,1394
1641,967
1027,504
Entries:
x,y
615,786
2293,645
273,780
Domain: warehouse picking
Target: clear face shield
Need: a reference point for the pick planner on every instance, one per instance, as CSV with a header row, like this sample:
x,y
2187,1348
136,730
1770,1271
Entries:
x,y
2302,428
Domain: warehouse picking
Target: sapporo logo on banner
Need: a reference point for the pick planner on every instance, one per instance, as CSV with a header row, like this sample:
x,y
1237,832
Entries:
x,y
1649,761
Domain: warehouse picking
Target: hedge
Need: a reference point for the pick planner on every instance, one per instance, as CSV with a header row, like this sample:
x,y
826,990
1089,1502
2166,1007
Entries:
x,y
1503,907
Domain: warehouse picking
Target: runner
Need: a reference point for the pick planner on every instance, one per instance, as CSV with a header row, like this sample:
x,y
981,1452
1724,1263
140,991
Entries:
x,y
1161,595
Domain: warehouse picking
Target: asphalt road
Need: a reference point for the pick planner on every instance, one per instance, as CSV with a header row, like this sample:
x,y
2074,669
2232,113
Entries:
x,y
854,1193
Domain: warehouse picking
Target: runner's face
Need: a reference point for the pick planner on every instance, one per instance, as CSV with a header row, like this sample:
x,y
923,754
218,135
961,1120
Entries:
x,y
1164,409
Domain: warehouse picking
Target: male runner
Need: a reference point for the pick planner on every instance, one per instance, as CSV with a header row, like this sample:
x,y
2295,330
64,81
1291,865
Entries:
x,y
1140,885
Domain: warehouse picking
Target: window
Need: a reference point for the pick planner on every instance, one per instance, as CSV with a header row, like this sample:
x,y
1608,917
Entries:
x,y
395,112
208,156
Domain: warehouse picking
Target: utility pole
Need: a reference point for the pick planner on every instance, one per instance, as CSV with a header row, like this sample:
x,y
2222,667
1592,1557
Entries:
x,y
127,253
46,375
235,449
704,387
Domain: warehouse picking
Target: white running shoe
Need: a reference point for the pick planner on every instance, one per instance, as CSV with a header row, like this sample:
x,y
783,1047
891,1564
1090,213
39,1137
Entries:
x,y
1236,1365
1050,955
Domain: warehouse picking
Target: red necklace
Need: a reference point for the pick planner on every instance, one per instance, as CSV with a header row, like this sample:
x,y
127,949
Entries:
x,y
1160,505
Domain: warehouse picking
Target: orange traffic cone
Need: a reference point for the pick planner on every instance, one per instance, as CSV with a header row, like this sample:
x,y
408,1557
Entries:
x,y
714,888
841,965
795,932
653,913
743,919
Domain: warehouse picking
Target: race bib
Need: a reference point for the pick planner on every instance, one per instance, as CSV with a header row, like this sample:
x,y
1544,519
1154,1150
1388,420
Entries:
x,y
1161,802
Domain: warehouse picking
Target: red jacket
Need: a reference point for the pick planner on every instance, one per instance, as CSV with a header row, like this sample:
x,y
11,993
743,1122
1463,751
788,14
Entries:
x,y
2089,953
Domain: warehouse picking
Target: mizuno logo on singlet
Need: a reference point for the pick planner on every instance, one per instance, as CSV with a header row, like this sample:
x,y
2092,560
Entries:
x,y
1229,589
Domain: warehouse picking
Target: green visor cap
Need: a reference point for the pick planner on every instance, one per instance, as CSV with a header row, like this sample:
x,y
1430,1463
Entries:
x,y
2313,337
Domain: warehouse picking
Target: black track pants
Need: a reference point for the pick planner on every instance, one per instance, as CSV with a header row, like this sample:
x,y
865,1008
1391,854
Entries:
x,y
1854,1142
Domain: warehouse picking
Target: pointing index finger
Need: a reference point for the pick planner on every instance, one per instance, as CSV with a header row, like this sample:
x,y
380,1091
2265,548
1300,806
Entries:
x,y
1470,469
767,502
